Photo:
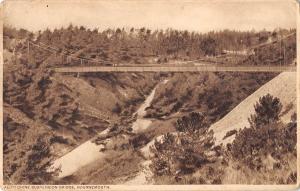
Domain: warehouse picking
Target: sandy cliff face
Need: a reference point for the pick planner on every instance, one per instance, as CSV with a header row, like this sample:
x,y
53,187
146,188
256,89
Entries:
x,y
283,86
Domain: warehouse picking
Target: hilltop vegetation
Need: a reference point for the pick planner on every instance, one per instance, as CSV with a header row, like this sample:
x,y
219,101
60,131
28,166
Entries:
x,y
278,53
142,45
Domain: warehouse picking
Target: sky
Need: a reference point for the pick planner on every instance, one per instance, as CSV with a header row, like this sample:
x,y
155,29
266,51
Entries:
x,y
194,15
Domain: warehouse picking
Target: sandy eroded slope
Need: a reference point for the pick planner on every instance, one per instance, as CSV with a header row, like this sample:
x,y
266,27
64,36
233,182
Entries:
x,y
282,86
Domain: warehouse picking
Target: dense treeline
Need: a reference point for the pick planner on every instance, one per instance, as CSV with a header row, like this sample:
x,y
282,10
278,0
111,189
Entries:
x,y
144,45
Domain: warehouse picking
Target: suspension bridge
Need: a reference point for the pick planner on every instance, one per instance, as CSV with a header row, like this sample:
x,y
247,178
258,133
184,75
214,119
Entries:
x,y
204,68
85,65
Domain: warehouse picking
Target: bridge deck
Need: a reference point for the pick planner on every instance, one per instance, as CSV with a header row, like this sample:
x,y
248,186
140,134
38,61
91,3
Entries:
x,y
89,69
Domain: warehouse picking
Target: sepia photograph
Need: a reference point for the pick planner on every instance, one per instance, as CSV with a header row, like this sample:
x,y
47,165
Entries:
x,y
150,93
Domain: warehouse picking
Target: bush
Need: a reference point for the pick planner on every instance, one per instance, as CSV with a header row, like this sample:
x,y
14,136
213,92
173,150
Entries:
x,y
58,139
163,150
139,140
191,123
38,162
114,128
251,145
230,133
267,136
117,109
185,152
267,110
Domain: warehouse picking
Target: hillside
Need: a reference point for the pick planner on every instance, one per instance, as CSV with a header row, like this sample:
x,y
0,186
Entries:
x,y
213,94
283,86
72,109
100,126
66,108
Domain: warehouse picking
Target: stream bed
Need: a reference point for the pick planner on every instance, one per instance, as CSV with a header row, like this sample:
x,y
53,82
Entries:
x,y
89,152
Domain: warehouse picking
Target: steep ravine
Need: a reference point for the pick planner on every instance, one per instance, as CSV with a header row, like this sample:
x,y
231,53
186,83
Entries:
x,y
74,109
74,160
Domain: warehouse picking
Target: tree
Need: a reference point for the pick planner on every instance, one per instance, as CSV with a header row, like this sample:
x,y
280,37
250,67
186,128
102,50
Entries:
x,y
266,137
252,145
163,151
117,108
267,111
209,46
186,151
38,163
191,123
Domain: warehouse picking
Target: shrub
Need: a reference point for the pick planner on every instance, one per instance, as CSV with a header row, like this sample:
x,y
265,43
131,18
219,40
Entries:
x,y
183,153
114,128
58,139
191,123
251,146
139,140
267,136
230,133
162,155
267,110
39,160
117,108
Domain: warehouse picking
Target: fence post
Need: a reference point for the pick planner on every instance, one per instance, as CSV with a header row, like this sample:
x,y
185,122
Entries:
x,y
283,54
28,49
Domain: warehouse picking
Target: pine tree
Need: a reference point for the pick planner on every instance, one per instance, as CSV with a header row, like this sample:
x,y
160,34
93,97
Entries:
x,y
267,111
